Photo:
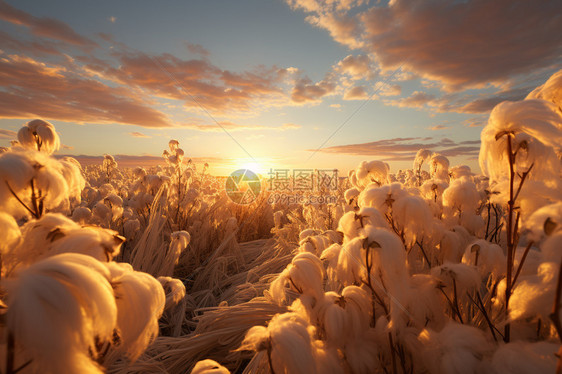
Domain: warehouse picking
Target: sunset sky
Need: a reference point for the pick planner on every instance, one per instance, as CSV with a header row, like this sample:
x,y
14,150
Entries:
x,y
284,84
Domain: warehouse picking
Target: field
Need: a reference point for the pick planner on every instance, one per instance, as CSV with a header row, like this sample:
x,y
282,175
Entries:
x,y
436,269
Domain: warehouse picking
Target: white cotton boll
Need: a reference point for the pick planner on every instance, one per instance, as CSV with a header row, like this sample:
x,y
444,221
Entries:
x,y
9,232
315,244
173,145
81,215
465,277
432,190
381,198
288,341
102,244
308,232
474,224
460,171
72,173
131,227
439,167
304,274
39,135
140,302
351,195
139,172
486,257
16,172
209,367
58,309
357,304
174,290
372,172
413,216
535,123
462,195
534,294
551,90
425,302
350,264
543,222
388,255
422,156
333,318
450,247
525,358
102,213
456,349
351,222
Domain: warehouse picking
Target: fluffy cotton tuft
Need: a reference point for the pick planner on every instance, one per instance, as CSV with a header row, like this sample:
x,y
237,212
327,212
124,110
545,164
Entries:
x,y
40,135
209,367
59,308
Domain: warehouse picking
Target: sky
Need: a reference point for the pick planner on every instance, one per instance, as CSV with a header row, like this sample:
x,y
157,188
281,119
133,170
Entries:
x,y
272,84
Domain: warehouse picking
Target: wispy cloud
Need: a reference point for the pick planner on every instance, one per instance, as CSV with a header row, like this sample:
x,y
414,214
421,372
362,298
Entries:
x,y
8,134
136,134
438,127
44,27
404,149
231,126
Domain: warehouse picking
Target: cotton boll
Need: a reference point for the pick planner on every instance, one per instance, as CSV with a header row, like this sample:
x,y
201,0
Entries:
x,y
523,357
422,156
486,257
551,90
536,128
381,198
455,349
10,233
462,195
327,359
140,302
425,303
372,172
388,255
358,308
308,232
464,277
413,217
58,309
333,318
174,289
39,135
350,264
287,341
304,274
72,173
352,222
81,215
351,195
461,171
543,222
102,214
439,166
209,367
533,295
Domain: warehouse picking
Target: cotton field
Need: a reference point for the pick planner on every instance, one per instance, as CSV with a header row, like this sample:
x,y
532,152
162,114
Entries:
x,y
438,269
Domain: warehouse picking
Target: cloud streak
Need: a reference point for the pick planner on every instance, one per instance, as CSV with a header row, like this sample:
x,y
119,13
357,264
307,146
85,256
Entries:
x,y
404,149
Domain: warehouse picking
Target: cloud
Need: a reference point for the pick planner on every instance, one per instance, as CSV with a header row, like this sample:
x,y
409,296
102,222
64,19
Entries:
x,y
438,127
459,44
36,89
357,67
8,134
112,19
404,149
417,99
356,93
44,27
305,91
196,49
67,147
231,126
388,89
136,134
196,82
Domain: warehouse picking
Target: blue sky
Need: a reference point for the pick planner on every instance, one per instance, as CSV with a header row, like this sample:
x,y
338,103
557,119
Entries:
x,y
279,76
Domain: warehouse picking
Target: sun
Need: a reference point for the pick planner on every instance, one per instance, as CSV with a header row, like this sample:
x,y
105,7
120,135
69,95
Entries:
x,y
254,166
